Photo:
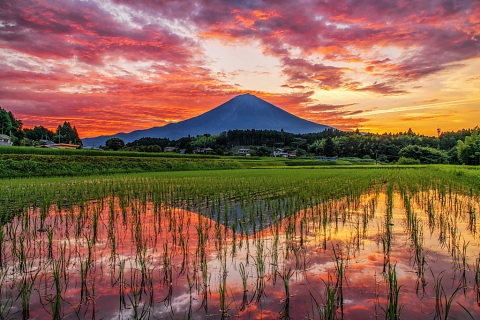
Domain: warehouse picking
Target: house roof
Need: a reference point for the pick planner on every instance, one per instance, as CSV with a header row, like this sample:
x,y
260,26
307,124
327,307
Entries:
x,y
4,136
63,145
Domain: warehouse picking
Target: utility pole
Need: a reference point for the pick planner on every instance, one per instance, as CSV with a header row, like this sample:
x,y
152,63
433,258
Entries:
x,y
439,131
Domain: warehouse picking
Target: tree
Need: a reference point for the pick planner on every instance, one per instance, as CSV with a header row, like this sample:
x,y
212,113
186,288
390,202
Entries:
x,y
9,125
263,151
329,148
39,133
5,122
66,134
426,155
469,151
114,144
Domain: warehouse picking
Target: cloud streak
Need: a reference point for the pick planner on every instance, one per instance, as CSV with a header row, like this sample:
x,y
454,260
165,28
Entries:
x,y
410,108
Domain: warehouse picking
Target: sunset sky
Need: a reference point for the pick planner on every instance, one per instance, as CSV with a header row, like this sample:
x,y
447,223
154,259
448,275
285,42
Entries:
x,y
111,66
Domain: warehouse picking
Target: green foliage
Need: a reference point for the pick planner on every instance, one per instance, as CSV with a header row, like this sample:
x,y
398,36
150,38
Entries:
x,y
204,141
425,155
329,149
5,122
469,151
114,144
407,161
39,133
8,122
80,152
66,134
16,166
10,126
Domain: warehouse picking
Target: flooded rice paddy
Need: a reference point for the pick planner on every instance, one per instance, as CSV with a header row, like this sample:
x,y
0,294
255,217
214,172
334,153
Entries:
x,y
304,247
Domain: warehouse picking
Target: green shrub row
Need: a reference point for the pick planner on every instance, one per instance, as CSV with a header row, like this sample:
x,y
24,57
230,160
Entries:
x,y
52,166
86,152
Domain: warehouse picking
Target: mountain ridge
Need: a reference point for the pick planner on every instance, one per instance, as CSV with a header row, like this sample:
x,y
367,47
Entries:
x,y
242,112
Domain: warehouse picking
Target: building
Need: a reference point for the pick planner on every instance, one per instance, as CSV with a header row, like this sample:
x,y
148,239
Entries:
x,y
203,150
60,146
5,140
244,151
279,153
169,149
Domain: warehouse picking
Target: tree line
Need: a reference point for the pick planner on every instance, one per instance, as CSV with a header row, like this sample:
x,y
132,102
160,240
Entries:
x,y
455,147
37,135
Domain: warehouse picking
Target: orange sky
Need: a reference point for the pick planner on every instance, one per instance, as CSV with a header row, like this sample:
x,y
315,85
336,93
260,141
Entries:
x,y
118,66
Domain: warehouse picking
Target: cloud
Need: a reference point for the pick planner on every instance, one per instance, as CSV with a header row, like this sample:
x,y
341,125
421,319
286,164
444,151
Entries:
x,y
431,36
85,31
301,71
382,88
417,107
142,63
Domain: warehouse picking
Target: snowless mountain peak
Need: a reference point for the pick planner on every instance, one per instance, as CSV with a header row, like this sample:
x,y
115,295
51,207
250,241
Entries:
x,y
245,111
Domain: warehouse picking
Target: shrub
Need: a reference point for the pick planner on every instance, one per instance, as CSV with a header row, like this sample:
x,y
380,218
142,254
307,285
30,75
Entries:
x,y
407,161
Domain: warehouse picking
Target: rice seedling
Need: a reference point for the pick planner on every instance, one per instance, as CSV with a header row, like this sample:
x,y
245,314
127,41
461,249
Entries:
x,y
126,243
286,276
393,309
25,288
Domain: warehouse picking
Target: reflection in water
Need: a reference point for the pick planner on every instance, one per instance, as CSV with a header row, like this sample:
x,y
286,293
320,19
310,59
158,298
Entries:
x,y
382,255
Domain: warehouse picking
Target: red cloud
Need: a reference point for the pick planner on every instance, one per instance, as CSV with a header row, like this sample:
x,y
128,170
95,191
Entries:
x,y
441,33
61,58
86,32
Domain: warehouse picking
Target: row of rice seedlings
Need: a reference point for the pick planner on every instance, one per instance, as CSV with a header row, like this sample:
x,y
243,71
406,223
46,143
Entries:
x,y
336,216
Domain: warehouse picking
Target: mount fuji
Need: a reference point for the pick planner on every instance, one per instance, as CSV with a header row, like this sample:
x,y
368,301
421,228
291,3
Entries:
x,y
242,112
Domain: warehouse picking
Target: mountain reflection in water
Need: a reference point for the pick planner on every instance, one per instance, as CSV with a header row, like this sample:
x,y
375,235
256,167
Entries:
x,y
353,260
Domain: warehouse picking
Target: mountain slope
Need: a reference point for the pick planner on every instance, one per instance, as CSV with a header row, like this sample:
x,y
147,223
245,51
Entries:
x,y
242,112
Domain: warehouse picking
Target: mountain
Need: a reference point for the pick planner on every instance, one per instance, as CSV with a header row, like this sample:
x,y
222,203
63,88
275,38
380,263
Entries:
x,y
243,112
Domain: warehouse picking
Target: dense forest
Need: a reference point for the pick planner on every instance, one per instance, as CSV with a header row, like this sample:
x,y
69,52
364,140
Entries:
x,y
458,147
455,147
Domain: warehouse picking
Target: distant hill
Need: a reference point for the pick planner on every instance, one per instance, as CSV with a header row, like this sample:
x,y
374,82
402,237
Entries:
x,y
242,112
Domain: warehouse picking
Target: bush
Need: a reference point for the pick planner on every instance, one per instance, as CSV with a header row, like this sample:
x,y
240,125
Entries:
x,y
425,155
407,161
16,166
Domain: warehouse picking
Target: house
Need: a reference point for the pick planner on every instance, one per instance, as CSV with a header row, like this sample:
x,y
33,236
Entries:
x,y
292,154
46,142
243,151
279,153
169,149
60,146
202,150
5,140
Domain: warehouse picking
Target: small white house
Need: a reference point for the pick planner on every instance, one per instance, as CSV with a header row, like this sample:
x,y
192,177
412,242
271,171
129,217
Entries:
x,y
243,151
5,140
169,149
202,150
279,153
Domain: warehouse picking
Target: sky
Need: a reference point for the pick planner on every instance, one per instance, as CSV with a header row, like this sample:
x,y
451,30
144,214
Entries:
x,y
110,66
